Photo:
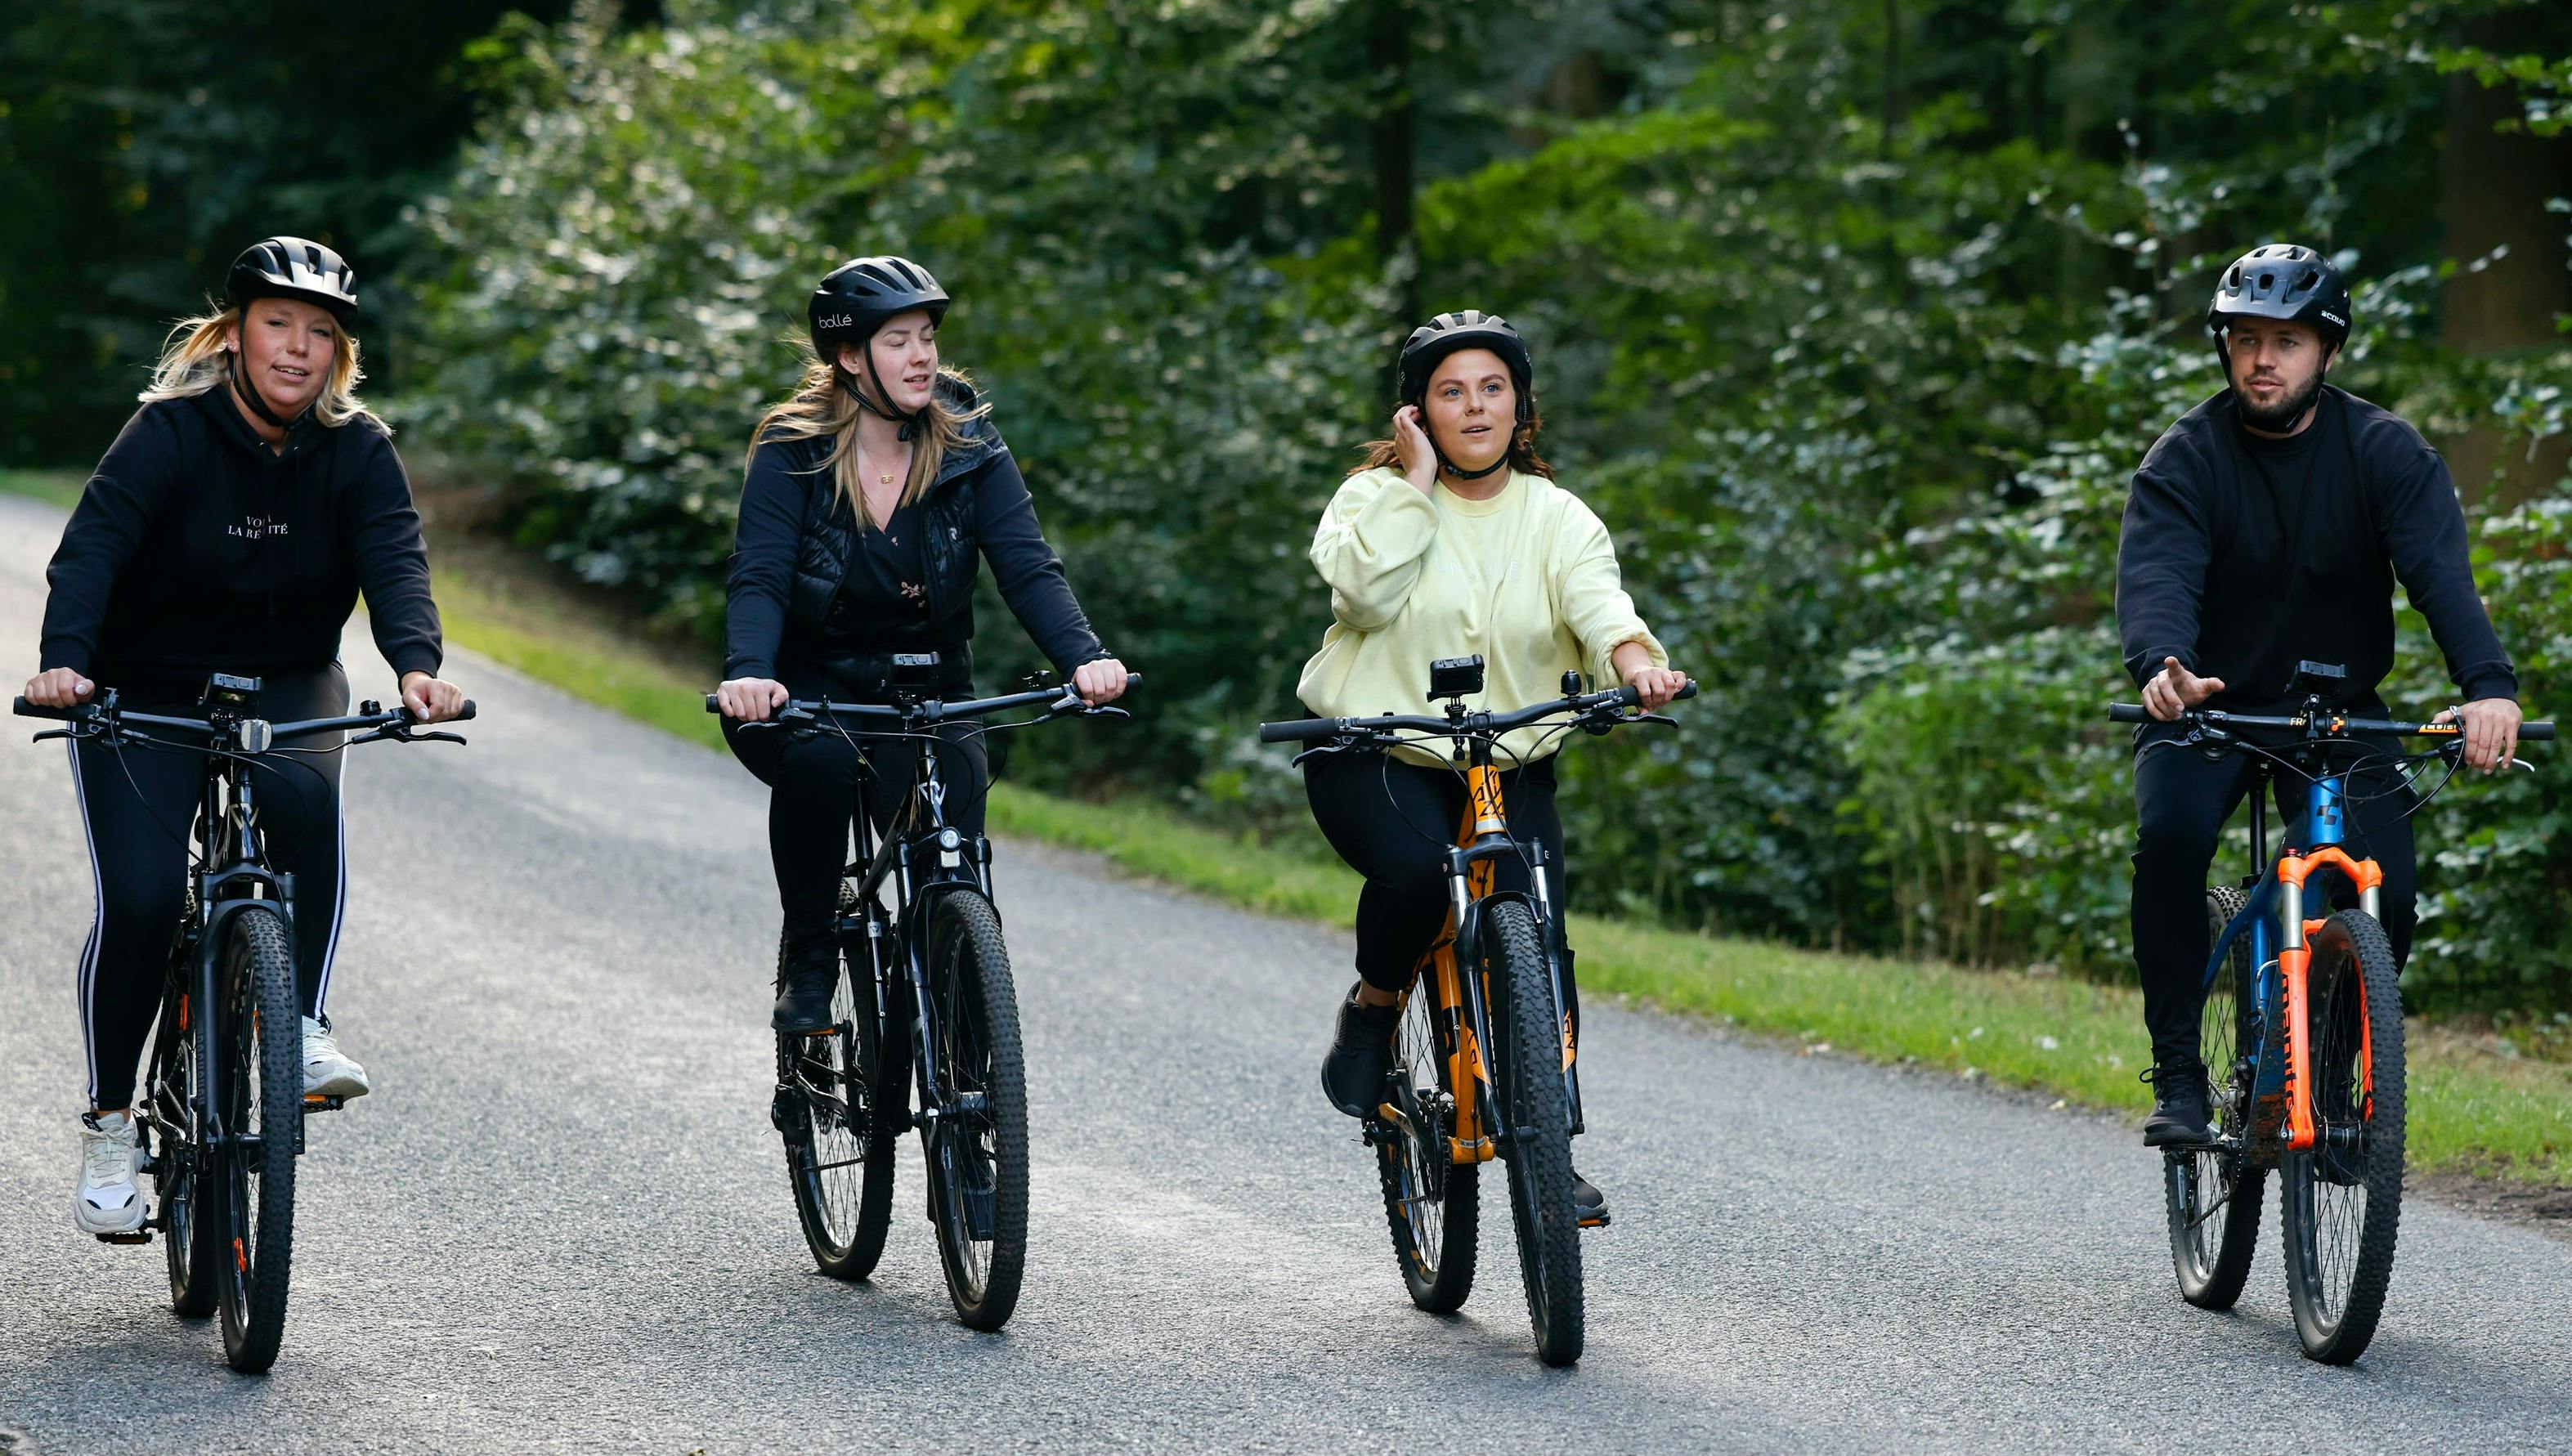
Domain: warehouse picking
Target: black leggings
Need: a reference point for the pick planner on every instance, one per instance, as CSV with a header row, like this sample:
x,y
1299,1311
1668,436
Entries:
x,y
137,805
1394,823
815,785
2182,801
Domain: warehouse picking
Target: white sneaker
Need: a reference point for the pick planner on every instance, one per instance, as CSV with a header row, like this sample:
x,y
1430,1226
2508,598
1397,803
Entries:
x,y
107,1201
327,1072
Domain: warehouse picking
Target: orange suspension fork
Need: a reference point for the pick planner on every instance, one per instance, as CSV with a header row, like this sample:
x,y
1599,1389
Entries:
x,y
2295,964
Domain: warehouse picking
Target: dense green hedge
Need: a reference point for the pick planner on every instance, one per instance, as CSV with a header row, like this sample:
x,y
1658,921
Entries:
x,y
1855,370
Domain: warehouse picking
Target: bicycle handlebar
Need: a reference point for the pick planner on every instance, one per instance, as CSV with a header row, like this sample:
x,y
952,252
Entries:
x,y
2531,732
1307,730
1065,700
101,713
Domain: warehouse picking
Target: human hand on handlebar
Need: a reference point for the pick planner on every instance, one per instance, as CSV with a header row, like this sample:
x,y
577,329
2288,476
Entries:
x,y
2491,731
430,699
751,699
59,687
1099,683
1654,685
2176,690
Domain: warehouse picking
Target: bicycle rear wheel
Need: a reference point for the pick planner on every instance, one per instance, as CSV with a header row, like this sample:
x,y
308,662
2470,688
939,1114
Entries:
x,y
838,1147
2214,1194
259,1086
2341,1203
188,1243
1529,1070
1432,1203
977,1147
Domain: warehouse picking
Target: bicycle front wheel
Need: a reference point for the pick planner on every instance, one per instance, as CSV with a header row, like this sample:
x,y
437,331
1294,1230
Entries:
x,y
2341,1202
2214,1194
1529,1070
977,1145
1432,1203
258,1085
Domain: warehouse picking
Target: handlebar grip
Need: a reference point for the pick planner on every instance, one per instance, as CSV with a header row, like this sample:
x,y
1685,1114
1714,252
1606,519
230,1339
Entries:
x,y
2537,732
2128,713
1299,730
1686,692
25,709
712,706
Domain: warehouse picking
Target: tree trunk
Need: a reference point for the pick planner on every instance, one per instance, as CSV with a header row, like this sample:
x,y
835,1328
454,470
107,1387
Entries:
x,y
1389,68
2492,192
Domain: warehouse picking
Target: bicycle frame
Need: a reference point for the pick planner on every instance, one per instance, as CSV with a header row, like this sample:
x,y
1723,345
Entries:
x,y
918,833
1464,1001
2281,1106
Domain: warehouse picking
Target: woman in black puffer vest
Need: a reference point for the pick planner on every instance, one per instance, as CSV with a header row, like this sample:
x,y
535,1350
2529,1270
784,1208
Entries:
x,y
870,499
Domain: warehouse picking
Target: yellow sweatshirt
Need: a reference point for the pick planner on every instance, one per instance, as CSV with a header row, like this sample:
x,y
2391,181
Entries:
x,y
1528,578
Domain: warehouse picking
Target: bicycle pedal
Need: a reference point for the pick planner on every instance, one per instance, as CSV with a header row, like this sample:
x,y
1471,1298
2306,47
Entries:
x,y
1602,1221
322,1103
140,1236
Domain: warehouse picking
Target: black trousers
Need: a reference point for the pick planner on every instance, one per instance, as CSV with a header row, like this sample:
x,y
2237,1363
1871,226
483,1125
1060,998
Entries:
x,y
816,784
2182,802
136,807
1394,822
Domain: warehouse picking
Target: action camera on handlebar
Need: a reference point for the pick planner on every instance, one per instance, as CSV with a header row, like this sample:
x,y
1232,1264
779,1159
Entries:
x,y
1456,677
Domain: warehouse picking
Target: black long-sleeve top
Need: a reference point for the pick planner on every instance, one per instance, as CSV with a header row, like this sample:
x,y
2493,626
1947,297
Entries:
x,y
792,604
2242,555
196,548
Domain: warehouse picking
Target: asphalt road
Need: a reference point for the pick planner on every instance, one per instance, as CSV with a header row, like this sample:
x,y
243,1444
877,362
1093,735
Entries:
x,y
560,1224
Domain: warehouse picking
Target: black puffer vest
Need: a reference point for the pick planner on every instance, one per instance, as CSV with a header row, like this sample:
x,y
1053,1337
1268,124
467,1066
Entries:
x,y
821,561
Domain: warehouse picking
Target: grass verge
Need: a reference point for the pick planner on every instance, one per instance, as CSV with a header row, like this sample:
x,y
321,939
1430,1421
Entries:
x,y
2472,1110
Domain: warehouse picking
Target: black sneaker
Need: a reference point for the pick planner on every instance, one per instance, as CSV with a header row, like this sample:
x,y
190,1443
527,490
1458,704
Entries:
x,y
805,982
2179,1100
1361,1051
1589,1205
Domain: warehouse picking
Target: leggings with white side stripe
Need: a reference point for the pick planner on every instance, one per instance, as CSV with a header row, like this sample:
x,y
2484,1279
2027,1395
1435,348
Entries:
x,y
137,805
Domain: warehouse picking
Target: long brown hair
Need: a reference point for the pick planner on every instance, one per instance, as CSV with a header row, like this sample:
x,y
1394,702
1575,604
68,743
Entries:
x,y
821,406
193,361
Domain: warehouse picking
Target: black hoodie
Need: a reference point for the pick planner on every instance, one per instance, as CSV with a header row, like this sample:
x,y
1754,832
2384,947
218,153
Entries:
x,y
2242,555
196,548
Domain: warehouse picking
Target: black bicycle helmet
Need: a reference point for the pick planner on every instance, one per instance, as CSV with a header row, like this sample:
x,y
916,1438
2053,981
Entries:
x,y
1444,334
1466,328
2282,281
853,300
293,268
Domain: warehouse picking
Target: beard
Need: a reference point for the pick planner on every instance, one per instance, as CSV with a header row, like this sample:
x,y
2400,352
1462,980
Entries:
x,y
2280,418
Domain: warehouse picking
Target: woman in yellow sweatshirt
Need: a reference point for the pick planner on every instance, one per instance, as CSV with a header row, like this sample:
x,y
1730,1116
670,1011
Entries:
x,y
1452,538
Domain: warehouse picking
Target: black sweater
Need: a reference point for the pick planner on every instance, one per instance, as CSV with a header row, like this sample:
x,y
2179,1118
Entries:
x,y
2242,555
196,548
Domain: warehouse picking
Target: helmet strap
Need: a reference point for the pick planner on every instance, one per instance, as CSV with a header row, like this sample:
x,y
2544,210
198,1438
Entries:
x,y
909,422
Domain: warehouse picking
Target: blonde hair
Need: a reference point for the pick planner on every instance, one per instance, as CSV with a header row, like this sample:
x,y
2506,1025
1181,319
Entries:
x,y
821,406
193,361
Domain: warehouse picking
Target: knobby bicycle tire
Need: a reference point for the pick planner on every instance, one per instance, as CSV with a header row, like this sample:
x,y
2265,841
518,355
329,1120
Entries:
x,y
1538,1151
1432,1204
2214,1194
2342,1203
261,1084
839,1143
977,1161
188,1243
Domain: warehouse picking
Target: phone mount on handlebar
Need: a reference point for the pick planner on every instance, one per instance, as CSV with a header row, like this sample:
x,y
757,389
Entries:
x,y
913,677
2319,683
